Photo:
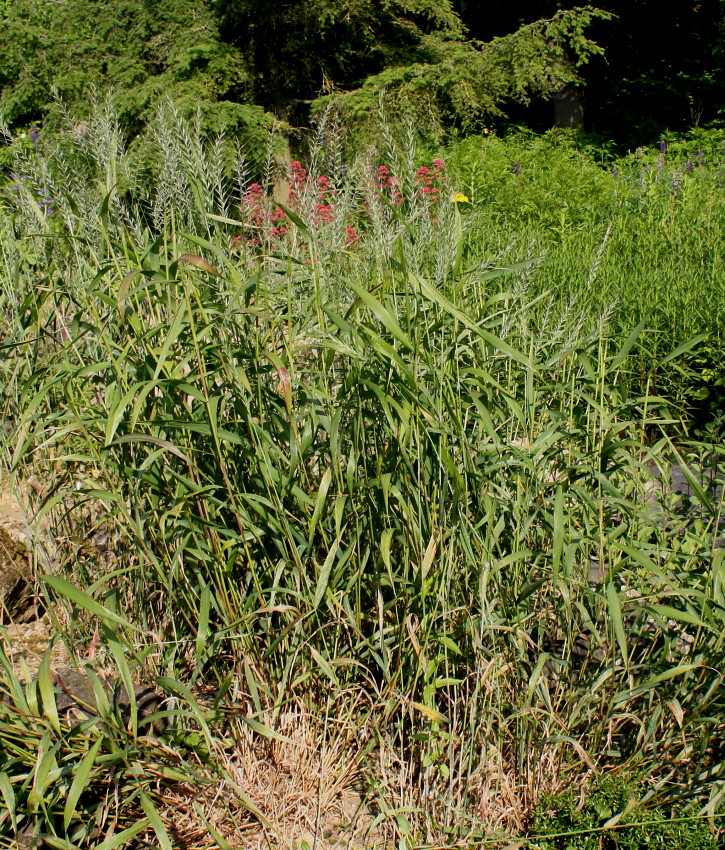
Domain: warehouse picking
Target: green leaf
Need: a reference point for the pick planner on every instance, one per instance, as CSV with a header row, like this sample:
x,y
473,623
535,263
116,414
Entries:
x,y
325,666
498,344
119,656
324,577
294,218
615,615
202,632
650,684
222,843
69,591
683,347
182,691
319,503
156,441
80,782
47,695
383,314
6,789
670,613
121,839
224,220
152,813
266,732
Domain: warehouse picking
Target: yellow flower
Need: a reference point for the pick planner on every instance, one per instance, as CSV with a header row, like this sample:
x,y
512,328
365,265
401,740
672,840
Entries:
x,y
460,198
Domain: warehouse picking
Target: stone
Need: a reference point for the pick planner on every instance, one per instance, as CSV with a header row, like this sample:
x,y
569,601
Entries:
x,y
17,599
75,695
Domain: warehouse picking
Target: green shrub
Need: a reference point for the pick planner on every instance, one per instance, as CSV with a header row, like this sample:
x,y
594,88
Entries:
x,y
641,236
586,820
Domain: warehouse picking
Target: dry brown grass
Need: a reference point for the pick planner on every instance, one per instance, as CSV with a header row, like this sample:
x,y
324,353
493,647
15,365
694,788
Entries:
x,y
304,784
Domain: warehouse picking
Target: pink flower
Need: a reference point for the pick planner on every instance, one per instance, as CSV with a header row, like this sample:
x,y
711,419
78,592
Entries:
x,y
252,205
297,179
298,171
324,212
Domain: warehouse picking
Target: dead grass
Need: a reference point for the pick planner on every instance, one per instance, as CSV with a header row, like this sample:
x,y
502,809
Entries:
x,y
304,784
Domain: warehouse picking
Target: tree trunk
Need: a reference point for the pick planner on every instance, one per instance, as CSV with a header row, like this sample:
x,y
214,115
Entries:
x,y
569,107
282,158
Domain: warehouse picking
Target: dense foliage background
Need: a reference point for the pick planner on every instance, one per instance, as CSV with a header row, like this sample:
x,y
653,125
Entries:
x,y
465,63
657,72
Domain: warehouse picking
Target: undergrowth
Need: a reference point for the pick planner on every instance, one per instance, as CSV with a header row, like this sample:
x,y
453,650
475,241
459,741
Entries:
x,y
385,510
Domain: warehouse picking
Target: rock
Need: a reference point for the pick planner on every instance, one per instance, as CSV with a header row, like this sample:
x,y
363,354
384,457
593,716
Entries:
x,y
18,603
17,599
75,695
75,700
25,644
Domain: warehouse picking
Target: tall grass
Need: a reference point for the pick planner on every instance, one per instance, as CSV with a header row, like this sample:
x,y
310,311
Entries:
x,y
385,484
642,233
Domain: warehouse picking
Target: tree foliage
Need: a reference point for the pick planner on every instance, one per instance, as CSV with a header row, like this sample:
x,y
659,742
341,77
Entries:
x,y
300,48
139,49
416,50
657,71
464,82
454,61
236,58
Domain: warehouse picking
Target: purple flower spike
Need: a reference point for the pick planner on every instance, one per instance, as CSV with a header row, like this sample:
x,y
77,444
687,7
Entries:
x,y
690,166
676,181
615,171
517,168
663,146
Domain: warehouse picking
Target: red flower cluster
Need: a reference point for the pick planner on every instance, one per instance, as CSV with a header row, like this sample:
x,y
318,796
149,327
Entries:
x,y
297,180
389,185
255,211
253,206
265,220
325,200
430,181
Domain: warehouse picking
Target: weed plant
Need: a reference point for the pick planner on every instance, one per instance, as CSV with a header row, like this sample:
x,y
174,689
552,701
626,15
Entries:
x,y
379,486
606,814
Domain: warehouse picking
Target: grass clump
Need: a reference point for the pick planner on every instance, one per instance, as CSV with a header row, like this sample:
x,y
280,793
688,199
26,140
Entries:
x,y
372,494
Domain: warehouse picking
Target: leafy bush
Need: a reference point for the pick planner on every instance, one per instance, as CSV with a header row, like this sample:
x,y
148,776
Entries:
x,y
639,235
